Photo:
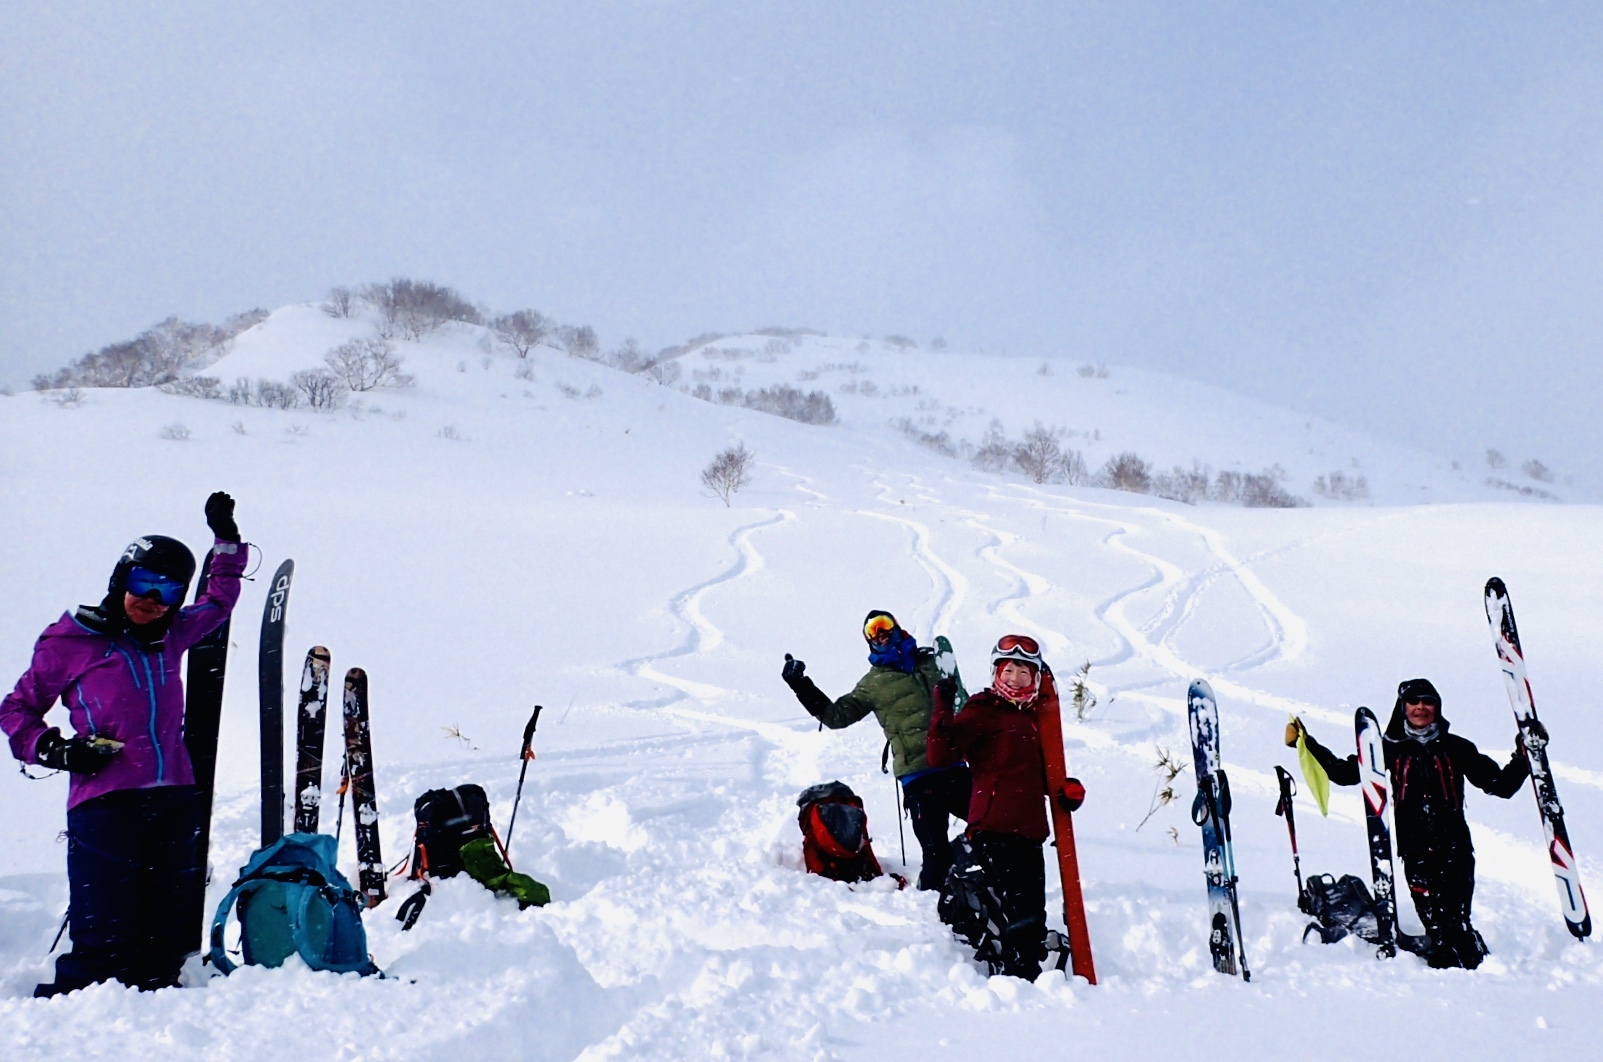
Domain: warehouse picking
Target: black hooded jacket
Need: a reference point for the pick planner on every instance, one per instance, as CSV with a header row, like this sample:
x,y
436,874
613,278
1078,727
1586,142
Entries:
x,y
1427,780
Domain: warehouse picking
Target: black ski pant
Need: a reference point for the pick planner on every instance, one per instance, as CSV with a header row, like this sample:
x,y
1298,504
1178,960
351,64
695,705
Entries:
x,y
1441,881
933,799
131,873
1016,870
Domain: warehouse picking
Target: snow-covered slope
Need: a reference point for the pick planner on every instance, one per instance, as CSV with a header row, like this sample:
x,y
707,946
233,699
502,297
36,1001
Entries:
x,y
509,531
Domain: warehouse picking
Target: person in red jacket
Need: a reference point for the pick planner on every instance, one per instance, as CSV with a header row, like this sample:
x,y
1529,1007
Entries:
x,y
996,733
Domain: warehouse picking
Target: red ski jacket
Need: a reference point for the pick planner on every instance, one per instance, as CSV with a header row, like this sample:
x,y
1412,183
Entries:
x,y
999,740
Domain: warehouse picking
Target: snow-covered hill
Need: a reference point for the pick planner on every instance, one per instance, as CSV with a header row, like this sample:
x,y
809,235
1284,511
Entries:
x,y
510,531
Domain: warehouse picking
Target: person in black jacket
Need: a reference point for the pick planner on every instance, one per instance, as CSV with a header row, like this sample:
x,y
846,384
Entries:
x,y
1428,767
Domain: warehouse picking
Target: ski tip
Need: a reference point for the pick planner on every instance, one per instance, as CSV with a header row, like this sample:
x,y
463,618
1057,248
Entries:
x,y
319,652
1494,585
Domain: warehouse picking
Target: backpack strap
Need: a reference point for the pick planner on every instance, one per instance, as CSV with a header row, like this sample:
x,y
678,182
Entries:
x,y
412,906
218,955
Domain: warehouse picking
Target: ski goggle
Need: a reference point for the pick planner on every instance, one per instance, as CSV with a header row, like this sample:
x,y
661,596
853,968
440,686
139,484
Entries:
x,y
879,628
142,582
1011,642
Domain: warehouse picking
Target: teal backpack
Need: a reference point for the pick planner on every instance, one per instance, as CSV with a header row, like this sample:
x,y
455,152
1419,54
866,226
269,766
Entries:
x,y
293,900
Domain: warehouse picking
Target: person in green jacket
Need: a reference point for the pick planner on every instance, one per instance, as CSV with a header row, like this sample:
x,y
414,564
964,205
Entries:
x,y
897,692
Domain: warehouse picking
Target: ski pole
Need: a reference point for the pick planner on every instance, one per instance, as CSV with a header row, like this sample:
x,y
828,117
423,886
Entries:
x,y
1288,789
345,783
525,755
885,768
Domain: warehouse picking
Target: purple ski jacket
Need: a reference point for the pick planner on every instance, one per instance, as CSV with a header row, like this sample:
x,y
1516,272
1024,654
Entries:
x,y
116,687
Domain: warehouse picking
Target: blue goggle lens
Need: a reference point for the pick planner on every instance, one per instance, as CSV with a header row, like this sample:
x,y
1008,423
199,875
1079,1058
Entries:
x,y
142,582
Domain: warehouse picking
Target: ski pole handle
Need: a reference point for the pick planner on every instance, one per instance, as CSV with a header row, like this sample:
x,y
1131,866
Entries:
x,y
528,732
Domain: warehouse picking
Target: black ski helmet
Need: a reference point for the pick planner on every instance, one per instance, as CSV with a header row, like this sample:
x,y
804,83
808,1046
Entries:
x,y
158,553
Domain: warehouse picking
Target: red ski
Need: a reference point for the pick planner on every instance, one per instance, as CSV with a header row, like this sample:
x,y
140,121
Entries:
x,y
1049,724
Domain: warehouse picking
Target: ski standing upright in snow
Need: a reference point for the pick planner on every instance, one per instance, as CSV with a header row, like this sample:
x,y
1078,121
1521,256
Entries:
x,y
203,710
1049,728
1211,811
1376,787
1511,659
359,777
311,724
270,684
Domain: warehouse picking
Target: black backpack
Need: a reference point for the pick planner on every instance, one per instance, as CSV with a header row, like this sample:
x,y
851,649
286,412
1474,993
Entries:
x,y
1339,907
447,819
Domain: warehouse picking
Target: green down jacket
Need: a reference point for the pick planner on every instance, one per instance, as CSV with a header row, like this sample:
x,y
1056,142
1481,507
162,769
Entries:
x,y
901,702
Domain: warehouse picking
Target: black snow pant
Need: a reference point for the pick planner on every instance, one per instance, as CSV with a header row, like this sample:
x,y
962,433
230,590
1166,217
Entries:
x,y
1016,869
933,799
1442,884
131,873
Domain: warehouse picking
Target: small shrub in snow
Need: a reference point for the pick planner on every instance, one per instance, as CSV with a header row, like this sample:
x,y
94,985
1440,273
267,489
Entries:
x,y
593,391
1495,459
666,373
1265,492
274,395
449,432
568,390
156,356
367,364
728,472
1523,489
1127,471
524,371
940,442
995,452
208,387
341,302
1093,372
1537,471
1182,486
522,331
938,344
322,389
580,342
414,308
783,400
1043,459
175,432
901,342
239,427
1338,486
1044,370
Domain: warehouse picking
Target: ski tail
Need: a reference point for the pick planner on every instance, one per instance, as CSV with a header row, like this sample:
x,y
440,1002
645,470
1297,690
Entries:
x,y
1376,786
311,724
270,686
1049,725
1511,660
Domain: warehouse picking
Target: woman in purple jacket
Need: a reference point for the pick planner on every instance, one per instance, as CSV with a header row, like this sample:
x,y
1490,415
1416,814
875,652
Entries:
x,y
132,806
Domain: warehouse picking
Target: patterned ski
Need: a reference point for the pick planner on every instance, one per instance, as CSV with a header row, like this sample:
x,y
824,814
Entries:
x,y
1376,787
311,723
1211,812
203,710
1511,659
946,664
270,685
364,800
1049,725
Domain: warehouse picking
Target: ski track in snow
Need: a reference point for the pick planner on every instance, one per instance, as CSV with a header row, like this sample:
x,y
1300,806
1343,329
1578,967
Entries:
x,y
703,636
948,587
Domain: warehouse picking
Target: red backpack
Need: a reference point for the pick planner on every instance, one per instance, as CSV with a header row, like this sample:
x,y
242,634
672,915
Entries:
x,y
834,827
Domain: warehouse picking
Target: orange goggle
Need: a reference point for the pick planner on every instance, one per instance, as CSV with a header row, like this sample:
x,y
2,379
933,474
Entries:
x,y
878,627
1011,642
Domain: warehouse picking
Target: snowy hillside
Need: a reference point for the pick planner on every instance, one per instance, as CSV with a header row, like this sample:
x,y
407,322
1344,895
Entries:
x,y
509,531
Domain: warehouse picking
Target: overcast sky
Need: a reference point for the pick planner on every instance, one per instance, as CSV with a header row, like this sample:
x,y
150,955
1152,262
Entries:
x,y
1391,214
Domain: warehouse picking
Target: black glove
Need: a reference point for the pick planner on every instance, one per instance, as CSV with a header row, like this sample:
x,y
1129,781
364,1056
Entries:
x,y
947,688
793,670
1072,796
78,755
1538,731
220,517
